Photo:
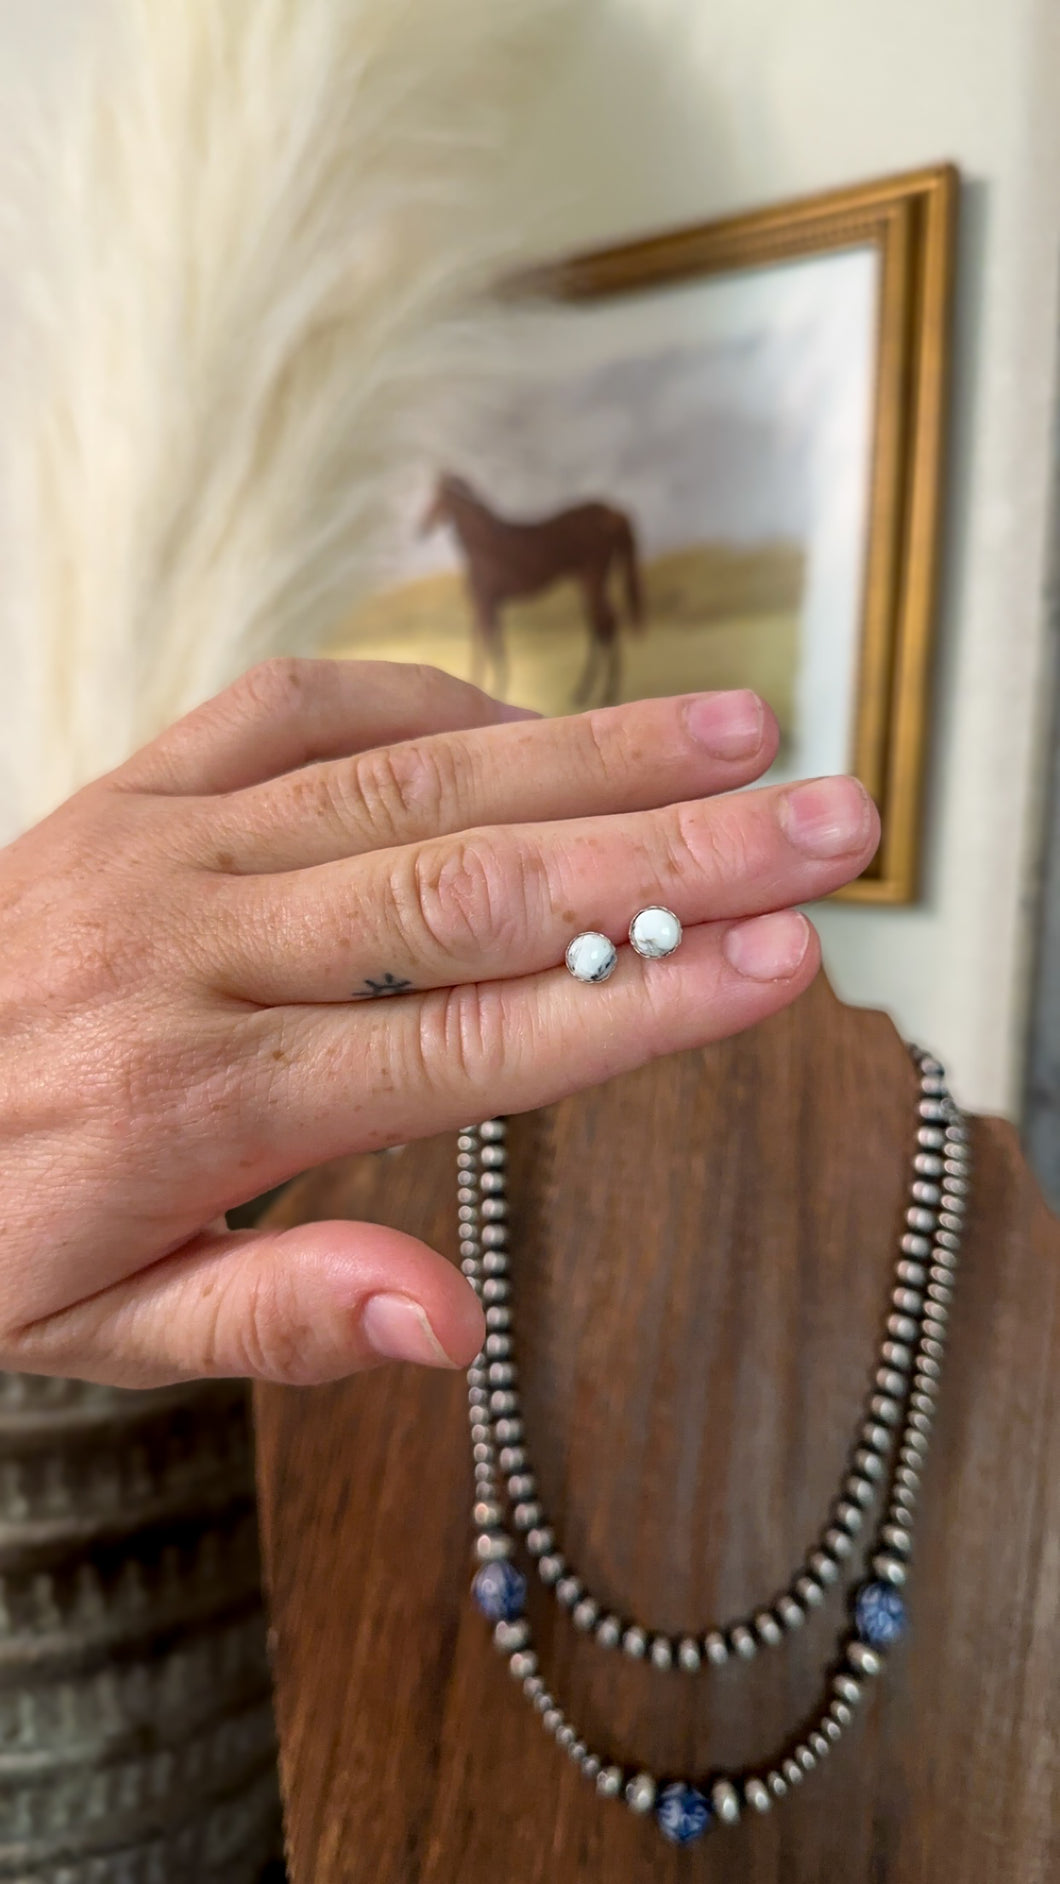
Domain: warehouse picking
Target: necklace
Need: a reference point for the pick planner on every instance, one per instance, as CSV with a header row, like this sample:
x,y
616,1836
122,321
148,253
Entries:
x,y
888,1457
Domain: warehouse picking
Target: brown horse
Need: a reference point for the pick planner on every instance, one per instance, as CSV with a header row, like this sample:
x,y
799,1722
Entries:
x,y
504,561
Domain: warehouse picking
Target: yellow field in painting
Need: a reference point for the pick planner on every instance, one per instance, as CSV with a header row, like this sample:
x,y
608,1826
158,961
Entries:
x,y
714,617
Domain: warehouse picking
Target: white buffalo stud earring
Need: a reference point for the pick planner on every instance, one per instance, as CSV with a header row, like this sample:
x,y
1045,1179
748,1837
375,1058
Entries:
x,y
591,957
655,933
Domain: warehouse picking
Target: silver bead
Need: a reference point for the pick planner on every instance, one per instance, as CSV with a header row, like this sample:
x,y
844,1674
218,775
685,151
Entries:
x,y
869,1464
919,1423
495,1289
521,1485
756,1795
920,1219
493,1131
898,1539
932,1109
789,1612
838,1543
809,1592
585,1613
494,1210
511,1459
640,1793
902,1328
880,1438
507,1430
494,1157
768,1629
908,1478
495,1263
863,1659
491,1184
919,1247
927,1368
924,1192
498,1346
486,1517
543,1701
522,1664
907,1301
482,1435
931,1137
806,1757
609,1781
552,1721
609,1632
533,1686
891,1382
467,1143
551,1568
885,1408
928,1164
850,1517
777,1784
818,1744
662,1652
792,1772
889,1569
715,1648
832,1728
841,1712
568,1591
482,1448
913,1275
634,1642
824,1567
688,1654
577,1751
566,1737
495,1236
933,1346
590,1765
742,1642
491,1546
503,1401
499,1316
510,1636
860,1490
847,1689
541,1540
526,1516
726,1801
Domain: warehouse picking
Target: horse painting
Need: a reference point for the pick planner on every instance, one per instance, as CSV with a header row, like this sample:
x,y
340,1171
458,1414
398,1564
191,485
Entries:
x,y
506,561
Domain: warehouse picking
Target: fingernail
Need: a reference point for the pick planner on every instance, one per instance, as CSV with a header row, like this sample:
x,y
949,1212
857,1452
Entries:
x,y
828,817
397,1328
506,712
727,725
768,948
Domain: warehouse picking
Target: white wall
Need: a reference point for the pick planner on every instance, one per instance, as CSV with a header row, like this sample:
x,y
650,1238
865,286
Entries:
x,y
682,109
686,109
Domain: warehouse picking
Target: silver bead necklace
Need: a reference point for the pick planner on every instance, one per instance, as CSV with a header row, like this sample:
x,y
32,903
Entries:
x,y
887,1463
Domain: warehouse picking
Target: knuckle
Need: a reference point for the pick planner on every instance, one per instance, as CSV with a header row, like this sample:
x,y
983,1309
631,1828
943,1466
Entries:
x,y
462,1037
709,840
397,787
275,685
269,1342
477,895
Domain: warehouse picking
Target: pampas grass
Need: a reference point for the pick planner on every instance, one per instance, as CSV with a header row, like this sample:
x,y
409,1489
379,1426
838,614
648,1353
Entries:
x,y
261,225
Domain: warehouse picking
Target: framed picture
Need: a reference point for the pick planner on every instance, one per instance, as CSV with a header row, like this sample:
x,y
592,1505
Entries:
x,y
717,462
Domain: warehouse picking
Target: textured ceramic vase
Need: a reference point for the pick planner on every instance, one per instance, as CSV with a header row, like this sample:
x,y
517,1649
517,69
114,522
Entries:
x,y
136,1738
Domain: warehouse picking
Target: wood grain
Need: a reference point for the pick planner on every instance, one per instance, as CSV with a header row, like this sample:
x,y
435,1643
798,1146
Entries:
x,y
703,1261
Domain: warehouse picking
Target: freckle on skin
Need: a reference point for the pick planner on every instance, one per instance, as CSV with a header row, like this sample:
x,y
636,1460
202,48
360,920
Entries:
x,y
278,1053
225,860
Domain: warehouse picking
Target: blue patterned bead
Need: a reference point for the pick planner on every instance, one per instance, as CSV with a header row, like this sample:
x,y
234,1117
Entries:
x,y
879,1613
499,1590
683,1814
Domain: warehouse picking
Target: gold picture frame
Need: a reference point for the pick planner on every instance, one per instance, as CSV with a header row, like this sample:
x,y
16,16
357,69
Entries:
x,y
910,221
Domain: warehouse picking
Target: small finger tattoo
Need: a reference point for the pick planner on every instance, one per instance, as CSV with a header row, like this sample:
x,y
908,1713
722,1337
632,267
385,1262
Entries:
x,y
376,990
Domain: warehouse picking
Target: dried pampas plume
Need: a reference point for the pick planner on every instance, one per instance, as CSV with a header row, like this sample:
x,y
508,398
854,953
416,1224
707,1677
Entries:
x,y
260,218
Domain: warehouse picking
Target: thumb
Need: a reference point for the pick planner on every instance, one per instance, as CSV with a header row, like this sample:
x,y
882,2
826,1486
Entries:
x,y
299,1306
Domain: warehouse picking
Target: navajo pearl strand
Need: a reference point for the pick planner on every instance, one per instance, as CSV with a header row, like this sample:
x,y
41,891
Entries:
x,y
892,1440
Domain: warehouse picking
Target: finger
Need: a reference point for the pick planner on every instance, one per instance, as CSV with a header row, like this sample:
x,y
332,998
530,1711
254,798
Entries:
x,y
299,1306
285,714
500,903
398,1070
627,758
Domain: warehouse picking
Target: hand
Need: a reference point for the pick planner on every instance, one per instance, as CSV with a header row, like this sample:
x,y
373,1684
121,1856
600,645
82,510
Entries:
x,y
190,951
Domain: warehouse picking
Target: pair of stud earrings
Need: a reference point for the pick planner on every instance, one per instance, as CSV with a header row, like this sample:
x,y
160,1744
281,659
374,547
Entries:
x,y
654,933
